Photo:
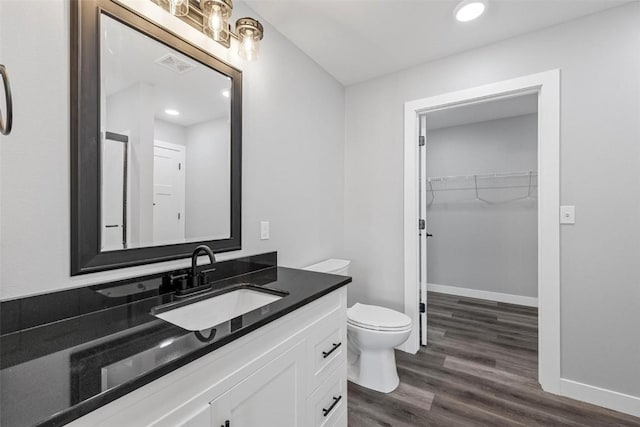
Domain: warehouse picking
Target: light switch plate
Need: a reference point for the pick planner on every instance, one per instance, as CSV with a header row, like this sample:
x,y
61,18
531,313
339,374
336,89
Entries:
x,y
264,230
567,214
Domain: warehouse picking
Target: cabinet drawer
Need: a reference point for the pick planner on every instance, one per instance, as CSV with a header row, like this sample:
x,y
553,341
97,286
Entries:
x,y
343,419
327,347
327,406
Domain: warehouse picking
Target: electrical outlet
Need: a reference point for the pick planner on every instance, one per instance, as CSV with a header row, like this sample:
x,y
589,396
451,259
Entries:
x,y
567,214
264,230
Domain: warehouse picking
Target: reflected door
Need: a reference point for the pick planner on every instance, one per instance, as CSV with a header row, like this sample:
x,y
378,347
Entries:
x,y
114,191
168,192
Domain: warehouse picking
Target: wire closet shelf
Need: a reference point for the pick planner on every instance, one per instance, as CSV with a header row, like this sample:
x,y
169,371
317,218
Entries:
x,y
487,181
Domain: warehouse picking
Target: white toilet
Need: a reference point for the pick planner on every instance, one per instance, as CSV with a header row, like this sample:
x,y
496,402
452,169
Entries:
x,y
373,333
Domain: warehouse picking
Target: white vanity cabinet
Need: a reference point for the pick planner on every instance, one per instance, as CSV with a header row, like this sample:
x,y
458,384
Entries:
x,y
290,372
271,396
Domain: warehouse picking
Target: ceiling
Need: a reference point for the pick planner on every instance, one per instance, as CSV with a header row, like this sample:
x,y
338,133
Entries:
x,y
129,57
356,40
483,111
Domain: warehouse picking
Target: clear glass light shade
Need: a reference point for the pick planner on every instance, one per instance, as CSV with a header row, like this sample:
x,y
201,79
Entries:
x,y
218,23
176,7
250,32
217,13
249,46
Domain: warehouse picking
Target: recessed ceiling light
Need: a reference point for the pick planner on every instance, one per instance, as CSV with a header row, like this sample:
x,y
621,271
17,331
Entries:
x,y
172,112
468,10
226,93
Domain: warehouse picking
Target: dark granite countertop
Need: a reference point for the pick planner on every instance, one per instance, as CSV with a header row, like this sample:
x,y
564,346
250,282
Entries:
x,y
67,353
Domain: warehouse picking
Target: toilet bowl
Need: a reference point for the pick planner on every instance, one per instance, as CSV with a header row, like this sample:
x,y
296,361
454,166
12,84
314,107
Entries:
x,y
372,334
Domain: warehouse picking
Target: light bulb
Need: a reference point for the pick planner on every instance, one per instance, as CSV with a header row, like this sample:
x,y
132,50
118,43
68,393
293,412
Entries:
x,y
217,23
248,48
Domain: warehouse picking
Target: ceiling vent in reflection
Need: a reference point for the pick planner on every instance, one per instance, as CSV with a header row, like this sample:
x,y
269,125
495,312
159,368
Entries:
x,y
175,63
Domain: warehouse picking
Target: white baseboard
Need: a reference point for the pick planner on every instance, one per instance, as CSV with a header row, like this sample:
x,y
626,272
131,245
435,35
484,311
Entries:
x,y
491,296
601,396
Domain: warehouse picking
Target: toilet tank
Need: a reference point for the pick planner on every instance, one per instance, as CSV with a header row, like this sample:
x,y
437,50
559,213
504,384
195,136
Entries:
x,y
331,266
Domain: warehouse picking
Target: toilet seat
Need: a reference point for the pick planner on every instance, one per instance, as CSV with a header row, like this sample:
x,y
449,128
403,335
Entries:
x,y
377,318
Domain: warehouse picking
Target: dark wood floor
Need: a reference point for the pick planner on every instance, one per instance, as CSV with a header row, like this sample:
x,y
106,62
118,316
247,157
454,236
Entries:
x,y
479,369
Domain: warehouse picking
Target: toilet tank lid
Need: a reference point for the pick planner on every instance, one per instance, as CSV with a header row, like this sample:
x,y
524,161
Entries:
x,y
329,265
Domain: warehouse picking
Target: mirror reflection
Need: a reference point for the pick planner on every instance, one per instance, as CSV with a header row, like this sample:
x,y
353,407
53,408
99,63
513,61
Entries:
x,y
165,148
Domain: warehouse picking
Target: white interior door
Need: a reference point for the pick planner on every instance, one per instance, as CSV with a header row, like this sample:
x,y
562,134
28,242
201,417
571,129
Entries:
x,y
422,229
113,194
168,192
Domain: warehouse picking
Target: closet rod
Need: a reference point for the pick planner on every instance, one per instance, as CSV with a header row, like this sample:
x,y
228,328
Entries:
x,y
522,174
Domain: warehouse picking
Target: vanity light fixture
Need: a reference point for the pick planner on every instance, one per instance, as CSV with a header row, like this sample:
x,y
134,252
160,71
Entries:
x,y
218,13
250,33
171,112
211,17
468,10
176,7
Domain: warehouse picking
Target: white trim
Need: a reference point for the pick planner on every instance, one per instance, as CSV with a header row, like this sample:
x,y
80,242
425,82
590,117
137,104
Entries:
x,y
547,85
600,396
487,295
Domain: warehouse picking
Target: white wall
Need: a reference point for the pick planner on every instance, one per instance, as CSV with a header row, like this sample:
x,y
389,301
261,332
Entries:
x,y
169,132
292,161
599,56
487,246
129,112
207,181
208,196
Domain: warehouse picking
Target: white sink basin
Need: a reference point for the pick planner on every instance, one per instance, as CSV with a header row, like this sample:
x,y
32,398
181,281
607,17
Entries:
x,y
212,311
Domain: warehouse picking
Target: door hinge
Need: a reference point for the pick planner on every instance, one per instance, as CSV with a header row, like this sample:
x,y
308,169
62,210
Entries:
x,y
421,141
179,166
423,308
178,215
422,224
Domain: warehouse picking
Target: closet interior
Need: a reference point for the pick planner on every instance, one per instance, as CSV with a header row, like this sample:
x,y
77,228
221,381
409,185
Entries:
x,y
482,200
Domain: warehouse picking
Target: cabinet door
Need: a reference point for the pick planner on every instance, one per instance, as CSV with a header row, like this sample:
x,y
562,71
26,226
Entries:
x,y
272,396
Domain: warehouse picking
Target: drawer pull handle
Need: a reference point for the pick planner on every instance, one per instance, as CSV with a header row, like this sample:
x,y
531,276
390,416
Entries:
x,y
326,411
326,354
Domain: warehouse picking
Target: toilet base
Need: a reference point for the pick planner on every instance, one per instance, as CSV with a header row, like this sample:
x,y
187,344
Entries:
x,y
375,370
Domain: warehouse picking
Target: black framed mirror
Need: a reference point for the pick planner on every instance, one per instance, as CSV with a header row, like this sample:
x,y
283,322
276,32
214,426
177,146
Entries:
x,y
156,135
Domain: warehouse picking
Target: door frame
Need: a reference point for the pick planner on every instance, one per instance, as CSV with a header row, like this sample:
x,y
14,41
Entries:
x,y
547,85
123,138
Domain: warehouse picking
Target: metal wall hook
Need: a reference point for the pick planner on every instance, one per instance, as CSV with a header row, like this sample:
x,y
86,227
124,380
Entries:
x,y
6,125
